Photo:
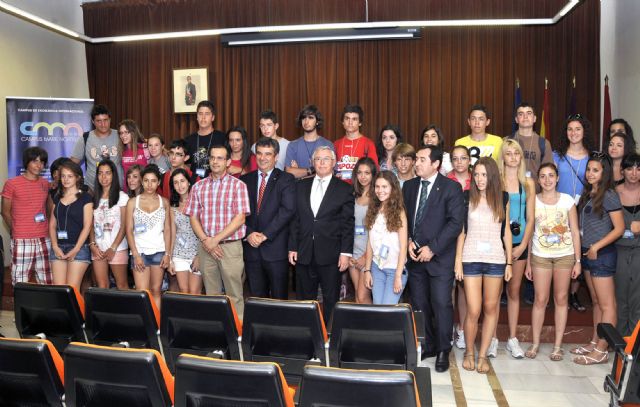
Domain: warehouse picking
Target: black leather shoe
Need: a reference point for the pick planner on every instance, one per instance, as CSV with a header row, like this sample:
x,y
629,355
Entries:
x,y
442,361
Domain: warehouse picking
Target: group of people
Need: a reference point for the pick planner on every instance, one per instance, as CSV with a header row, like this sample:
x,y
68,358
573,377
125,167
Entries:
x,y
451,227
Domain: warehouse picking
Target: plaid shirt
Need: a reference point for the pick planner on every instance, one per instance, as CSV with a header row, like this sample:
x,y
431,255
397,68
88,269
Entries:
x,y
216,201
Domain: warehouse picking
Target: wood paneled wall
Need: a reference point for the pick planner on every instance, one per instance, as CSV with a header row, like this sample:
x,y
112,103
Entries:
x,y
434,79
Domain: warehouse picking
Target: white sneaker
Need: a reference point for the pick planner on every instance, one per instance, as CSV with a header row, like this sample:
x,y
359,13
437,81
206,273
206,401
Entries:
x,y
492,352
460,344
513,346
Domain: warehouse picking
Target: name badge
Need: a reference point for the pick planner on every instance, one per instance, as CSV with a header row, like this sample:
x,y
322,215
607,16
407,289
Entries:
x,y
384,252
162,170
39,218
527,174
200,172
628,234
553,239
62,235
483,247
577,199
140,228
181,241
98,231
359,230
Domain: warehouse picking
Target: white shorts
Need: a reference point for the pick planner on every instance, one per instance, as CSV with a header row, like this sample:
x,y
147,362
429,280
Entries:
x,y
180,265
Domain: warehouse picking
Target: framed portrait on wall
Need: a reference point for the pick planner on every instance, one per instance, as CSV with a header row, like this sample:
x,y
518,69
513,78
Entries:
x,y
190,86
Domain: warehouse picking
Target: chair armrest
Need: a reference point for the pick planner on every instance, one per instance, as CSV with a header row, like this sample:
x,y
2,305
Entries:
x,y
612,336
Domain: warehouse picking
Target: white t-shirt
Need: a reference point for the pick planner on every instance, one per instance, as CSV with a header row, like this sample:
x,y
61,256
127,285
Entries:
x,y
551,235
107,223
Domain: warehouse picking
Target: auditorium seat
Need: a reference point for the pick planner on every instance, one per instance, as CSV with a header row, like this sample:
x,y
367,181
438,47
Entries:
x,y
97,376
126,318
52,312
623,383
202,381
383,337
31,373
204,325
290,333
329,387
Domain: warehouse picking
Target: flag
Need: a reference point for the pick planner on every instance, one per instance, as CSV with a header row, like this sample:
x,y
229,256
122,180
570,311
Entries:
x,y
606,115
572,98
544,126
516,101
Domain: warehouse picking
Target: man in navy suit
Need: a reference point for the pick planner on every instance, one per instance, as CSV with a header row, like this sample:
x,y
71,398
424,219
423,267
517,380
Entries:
x,y
272,200
435,212
321,236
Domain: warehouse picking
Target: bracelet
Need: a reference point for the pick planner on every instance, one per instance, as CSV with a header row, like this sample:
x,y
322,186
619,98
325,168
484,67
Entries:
x,y
509,264
92,244
366,271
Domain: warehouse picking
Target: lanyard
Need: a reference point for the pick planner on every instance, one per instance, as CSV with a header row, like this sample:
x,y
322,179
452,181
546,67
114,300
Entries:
x,y
66,214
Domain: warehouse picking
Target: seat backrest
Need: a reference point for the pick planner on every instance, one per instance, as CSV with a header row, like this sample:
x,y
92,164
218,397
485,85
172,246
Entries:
x,y
114,316
290,333
105,376
54,310
327,387
31,373
204,382
198,324
365,336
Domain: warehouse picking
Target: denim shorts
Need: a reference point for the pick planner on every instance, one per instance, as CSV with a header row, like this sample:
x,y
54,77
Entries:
x,y
604,265
483,269
83,256
149,259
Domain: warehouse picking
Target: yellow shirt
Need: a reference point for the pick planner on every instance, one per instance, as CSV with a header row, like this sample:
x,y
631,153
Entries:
x,y
489,147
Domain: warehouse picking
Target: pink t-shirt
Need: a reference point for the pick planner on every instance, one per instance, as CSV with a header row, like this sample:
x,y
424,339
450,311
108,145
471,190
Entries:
x,y
28,207
128,161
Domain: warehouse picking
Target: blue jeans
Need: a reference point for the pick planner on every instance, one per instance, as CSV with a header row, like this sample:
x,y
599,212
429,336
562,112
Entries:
x,y
382,291
604,265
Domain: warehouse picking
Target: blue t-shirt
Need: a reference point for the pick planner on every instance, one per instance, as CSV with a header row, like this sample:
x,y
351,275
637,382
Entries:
x,y
71,218
518,212
301,151
568,167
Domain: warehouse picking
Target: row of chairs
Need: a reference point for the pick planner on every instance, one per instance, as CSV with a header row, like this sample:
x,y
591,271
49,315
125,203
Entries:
x,y
32,373
290,333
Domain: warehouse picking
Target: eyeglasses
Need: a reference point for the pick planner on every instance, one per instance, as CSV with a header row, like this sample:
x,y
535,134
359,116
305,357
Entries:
x,y
322,160
459,159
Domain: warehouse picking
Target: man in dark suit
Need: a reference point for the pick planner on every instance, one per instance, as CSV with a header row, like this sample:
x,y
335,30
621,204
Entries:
x,y
435,212
189,93
321,237
272,201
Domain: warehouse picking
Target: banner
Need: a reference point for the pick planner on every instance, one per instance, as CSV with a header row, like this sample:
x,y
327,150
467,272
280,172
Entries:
x,y
53,124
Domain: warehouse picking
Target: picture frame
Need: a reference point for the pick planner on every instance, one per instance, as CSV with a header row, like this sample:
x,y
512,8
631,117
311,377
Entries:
x,y
190,87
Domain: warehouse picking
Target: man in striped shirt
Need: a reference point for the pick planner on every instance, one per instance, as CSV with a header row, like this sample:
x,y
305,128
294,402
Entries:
x,y
218,205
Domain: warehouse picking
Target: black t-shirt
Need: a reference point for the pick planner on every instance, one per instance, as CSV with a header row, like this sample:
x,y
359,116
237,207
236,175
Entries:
x,y
71,218
198,148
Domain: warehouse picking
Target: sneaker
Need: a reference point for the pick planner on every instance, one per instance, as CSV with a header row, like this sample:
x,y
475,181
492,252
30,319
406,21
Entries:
x,y
513,346
492,352
460,344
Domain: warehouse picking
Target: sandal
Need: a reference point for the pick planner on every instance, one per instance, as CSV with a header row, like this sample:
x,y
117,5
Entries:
x,y
532,352
602,356
469,362
557,355
483,365
584,349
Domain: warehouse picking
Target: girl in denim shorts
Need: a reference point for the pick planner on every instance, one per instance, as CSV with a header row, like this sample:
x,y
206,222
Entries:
x,y
601,224
69,227
483,257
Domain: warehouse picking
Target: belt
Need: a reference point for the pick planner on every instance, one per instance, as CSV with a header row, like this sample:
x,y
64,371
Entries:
x,y
229,241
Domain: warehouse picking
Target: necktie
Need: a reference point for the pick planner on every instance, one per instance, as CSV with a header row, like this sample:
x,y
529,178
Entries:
x,y
422,204
318,193
263,186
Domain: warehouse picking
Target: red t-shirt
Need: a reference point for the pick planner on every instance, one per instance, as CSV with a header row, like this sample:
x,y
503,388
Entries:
x,y
348,152
164,189
28,207
253,165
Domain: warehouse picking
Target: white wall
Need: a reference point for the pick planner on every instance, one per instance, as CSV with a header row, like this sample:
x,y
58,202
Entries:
x,y
39,63
620,58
